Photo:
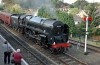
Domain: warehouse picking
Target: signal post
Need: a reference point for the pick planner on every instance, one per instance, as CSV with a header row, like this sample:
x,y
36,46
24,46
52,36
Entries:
x,y
87,19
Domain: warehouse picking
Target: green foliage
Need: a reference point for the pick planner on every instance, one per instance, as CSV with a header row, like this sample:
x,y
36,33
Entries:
x,y
95,22
80,4
92,12
62,16
67,19
96,31
1,6
47,12
10,6
43,11
80,29
74,11
57,3
7,9
16,9
71,24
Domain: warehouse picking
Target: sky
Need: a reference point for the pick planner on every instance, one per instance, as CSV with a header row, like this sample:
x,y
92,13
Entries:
x,y
72,1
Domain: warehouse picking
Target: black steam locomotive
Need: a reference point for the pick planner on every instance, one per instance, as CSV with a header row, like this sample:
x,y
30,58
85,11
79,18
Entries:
x,y
48,33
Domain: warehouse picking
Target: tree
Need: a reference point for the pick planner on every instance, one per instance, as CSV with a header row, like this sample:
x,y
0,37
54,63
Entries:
x,y
71,24
7,9
74,11
80,29
1,6
96,31
92,11
67,19
16,9
44,12
8,4
80,4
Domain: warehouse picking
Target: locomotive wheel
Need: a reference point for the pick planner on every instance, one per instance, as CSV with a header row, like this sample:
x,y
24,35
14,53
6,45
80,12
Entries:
x,y
37,41
19,30
51,50
29,33
62,50
26,35
13,27
41,44
34,40
44,46
16,29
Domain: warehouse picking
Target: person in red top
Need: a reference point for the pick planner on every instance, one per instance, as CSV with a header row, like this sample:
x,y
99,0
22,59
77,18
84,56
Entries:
x,y
17,57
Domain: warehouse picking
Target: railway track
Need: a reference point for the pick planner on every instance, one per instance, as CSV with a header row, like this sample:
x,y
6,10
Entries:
x,y
63,59
35,53
90,47
31,55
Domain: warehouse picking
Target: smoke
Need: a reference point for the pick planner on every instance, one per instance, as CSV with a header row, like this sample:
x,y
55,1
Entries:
x,y
36,4
51,8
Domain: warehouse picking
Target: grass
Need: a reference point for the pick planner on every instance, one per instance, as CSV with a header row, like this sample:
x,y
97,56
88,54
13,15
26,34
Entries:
x,y
94,43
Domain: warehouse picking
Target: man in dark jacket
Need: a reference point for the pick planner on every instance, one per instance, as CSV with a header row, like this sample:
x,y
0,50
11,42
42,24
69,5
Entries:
x,y
17,57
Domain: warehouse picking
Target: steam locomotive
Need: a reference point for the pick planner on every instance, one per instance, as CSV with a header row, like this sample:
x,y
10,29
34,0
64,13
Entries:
x,y
48,33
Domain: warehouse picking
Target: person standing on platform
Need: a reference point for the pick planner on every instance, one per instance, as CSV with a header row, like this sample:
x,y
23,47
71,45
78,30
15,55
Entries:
x,y
17,57
7,52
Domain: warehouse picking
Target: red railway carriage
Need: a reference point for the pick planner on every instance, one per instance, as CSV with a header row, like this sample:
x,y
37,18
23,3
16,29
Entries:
x,y
5,17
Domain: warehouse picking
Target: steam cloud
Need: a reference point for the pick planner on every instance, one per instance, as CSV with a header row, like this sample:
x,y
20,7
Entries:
x,y
36,4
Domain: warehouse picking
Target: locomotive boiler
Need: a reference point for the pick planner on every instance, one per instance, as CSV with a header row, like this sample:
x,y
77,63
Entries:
x,y
46,32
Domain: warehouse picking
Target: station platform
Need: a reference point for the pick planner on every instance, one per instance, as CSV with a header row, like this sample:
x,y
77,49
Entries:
x,y
2,55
